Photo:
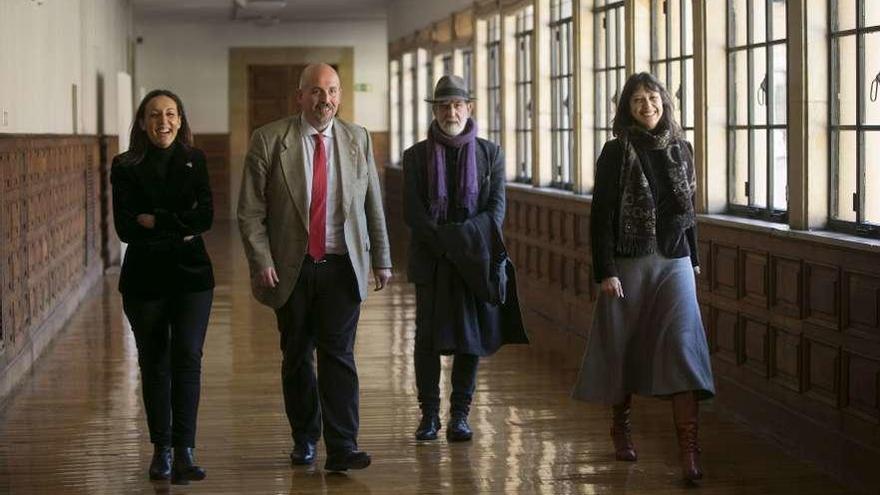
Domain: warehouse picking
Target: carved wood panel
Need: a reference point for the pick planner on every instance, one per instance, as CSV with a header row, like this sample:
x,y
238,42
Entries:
x,y
785,362
50,225
726,336
822,371
822,294
754,276
725,274
785,286
755,345
861,304
862,394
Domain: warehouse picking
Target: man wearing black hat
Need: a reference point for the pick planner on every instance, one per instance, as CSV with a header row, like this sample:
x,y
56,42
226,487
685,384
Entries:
x,y
454,204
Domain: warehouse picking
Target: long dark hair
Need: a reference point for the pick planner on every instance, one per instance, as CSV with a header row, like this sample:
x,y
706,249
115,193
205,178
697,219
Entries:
x,y
139,142
623,118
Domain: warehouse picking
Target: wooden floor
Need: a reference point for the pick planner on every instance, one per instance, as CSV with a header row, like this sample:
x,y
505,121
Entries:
x,y
77,425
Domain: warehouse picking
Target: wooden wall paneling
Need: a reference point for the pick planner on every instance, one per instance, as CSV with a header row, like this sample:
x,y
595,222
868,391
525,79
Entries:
x,y
755,345
822,371
704,249
862,386
822,294
754,277
727,336
861,304
725,272
786,286
111,249
216,148
786,358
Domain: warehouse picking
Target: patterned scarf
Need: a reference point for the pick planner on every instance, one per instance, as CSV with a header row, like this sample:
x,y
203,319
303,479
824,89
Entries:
x,y
637,234
468,191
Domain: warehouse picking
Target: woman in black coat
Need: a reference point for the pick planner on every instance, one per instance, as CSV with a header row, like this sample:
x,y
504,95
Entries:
x,y
161,206
647,336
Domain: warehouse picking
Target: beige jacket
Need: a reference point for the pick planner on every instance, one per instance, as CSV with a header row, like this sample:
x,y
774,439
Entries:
x,y
273,213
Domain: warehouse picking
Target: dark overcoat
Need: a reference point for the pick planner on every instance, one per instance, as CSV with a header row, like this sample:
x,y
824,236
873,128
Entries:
x,y
466,300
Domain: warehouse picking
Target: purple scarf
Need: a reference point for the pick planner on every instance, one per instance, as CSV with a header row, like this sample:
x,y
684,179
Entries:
x,y
467,192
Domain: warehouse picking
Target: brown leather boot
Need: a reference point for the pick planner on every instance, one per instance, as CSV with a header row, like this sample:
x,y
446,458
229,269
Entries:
x,y
624,450
685,414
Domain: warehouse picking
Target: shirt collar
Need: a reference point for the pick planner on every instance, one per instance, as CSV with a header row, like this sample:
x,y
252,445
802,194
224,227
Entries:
x,y
310,131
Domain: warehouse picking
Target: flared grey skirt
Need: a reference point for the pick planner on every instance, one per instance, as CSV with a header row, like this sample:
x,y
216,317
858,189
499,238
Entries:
x,y
651,342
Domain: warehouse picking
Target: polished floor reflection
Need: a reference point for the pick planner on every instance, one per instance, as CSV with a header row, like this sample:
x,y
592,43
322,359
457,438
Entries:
x,y
77,425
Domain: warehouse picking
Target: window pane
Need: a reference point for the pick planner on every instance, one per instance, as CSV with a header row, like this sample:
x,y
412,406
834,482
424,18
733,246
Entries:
x,y
740,147
846,15
738,16
759,21
688,120
846,175
673,9
659,35
872,78
780,102
740,88
780,171
872,177
872,13
779,25
688,29
846,74
674,88
758,86
759,159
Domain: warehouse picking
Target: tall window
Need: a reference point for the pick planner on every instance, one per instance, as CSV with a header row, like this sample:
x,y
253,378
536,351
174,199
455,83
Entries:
x,y
423,83
447,64
672,56
562,92
408,95
429,89
467,67
394,111
610,66
756,108
493,91
414,104
855,116
523,83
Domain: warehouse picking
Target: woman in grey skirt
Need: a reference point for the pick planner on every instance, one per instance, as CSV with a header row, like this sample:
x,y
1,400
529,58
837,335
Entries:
x,y
647,336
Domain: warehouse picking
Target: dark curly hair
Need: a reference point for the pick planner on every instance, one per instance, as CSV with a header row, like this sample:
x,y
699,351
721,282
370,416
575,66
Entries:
x,y
623,118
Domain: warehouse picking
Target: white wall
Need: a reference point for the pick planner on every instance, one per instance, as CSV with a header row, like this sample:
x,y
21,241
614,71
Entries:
x,y
45,49
408,16
193,61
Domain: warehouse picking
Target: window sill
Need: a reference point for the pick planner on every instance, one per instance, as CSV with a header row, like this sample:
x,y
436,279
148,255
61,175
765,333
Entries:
x,y
827,237
550,192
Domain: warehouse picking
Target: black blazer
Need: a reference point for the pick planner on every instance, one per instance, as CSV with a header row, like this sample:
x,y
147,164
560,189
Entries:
x,y
425,245
170,258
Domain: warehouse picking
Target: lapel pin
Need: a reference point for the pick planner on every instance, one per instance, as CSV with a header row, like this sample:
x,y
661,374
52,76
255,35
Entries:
x,y
189,164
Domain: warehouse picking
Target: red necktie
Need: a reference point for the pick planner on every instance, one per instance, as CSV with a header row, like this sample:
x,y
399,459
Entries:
x,y
318,208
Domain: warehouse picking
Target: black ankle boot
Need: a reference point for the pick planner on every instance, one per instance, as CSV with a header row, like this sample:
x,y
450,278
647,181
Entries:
x,y
458,429
160,467
184,469
428,427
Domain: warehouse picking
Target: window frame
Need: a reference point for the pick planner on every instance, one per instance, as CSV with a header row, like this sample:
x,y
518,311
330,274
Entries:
x,y
602,130
562,172
523,37
682,58
751,210
860,226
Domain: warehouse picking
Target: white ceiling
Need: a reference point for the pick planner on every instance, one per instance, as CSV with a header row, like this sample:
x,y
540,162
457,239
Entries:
x,y
295,10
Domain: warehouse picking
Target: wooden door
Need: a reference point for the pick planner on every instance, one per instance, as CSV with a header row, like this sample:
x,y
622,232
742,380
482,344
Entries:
x,y
271,93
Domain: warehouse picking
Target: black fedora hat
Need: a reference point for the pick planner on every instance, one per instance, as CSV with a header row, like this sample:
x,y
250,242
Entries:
x,y
450,88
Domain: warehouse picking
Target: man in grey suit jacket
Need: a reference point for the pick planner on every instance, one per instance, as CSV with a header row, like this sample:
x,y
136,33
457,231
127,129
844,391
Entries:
x,y
311,220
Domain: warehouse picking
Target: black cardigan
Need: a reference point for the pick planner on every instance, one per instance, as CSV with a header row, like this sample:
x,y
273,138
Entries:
x,y
171,257
671,243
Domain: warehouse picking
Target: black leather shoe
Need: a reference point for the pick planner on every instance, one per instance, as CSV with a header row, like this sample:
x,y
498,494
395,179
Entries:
x,y
303,454
160,467
353,459
184,469
458,429
428,427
